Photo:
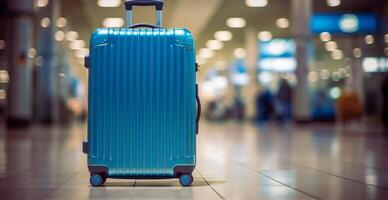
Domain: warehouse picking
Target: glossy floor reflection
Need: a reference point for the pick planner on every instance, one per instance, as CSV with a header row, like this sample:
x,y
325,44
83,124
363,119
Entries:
x,y
235,161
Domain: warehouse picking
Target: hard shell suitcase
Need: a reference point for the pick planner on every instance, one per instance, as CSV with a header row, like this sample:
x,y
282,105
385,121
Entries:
x,y
143,101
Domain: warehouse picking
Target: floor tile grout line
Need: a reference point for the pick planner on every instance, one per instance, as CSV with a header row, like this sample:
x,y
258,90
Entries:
x,y
296,189
218,194
342,177
64,182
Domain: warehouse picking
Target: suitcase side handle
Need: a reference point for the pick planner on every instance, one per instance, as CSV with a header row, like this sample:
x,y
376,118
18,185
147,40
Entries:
x,y
157,3
143,25
198,100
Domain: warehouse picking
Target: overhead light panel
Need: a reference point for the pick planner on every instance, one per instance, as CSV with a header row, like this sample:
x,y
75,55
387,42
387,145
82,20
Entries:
x,y
325,36
61,22
41,3
357,52
236,22
333,3
264,36
109,3
239,53
214,44
223,35
369,39
59,36
331,46
256,3
45,22
282,23
113,22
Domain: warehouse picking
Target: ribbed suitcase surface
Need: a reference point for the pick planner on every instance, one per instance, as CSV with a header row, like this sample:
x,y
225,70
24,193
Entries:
x,y
142,105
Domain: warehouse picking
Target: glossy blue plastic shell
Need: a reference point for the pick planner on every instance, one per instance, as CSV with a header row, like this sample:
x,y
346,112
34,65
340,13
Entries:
x,y
142,107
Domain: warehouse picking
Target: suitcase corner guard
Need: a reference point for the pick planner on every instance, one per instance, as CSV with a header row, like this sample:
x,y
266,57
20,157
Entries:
x,y
179,170
85,147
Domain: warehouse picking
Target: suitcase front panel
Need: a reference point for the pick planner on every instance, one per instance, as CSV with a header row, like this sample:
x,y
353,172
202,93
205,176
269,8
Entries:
x,y
141,101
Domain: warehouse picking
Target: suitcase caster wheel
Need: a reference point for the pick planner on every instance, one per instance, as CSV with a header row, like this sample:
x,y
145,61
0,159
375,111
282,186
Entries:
x,y
186,180
97,180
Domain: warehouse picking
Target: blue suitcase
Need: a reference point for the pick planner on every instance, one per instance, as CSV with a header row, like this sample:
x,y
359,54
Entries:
x,y
143,102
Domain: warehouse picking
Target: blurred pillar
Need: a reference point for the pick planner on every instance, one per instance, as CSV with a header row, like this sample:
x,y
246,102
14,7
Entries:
x,y
301,14
48,64
251,63
19,28
356,80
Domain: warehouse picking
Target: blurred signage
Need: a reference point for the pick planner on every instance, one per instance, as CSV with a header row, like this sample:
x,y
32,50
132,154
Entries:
x,y
375,64
277,55
345,23
238,73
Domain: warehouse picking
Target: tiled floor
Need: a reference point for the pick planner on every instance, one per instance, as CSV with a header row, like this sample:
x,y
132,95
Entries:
x,y
235,161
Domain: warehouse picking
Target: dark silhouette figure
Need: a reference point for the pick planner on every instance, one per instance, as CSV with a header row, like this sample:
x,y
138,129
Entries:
x,y
284,99
264,105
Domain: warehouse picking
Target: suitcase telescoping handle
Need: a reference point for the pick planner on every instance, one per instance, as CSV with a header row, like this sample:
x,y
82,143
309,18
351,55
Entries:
x,y
157,3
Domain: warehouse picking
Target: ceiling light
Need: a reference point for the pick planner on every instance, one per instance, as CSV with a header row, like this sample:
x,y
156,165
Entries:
x,y
239,53
71,35
77,44
349,23
369,39
113,22
45,22
331,46
41,3
214,44
59,35
31,53
333,3
386,38
206,53
256,3
265,36
223,35
61,22
4,76
337,54
282,23
335,92
357,52
3,44
325,36
109,3
236,22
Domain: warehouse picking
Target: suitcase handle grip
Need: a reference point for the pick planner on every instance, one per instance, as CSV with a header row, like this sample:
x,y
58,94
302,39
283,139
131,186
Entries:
x,y
198,100
143,25
157,3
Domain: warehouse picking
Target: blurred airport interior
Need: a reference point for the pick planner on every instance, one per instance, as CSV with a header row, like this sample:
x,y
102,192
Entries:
x,y
259,60
297,62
